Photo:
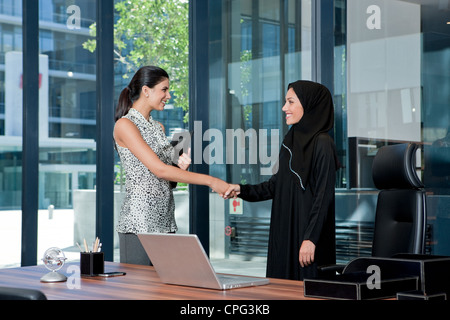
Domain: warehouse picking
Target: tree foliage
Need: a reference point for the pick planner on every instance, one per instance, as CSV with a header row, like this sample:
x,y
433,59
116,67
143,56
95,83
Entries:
x,y
153,32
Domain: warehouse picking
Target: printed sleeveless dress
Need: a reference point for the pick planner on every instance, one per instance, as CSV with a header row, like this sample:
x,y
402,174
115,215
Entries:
x,y
149,205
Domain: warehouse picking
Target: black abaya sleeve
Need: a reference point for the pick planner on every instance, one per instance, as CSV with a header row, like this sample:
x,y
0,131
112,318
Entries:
x,y
322,185
258,192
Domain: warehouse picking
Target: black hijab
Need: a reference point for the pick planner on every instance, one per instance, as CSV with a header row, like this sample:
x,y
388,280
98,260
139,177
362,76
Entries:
x,y
318,118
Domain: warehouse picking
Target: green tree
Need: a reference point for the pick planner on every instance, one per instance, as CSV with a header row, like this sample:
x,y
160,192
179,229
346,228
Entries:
x,y
153,32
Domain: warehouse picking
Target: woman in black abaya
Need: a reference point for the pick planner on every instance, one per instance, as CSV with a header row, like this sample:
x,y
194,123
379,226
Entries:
x,y
302,229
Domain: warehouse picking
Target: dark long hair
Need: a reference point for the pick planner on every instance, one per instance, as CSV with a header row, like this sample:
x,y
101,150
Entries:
x,y
148,76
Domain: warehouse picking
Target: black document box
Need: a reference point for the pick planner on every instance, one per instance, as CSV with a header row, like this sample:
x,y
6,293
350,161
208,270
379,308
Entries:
x,y
402,273
419,295
433,272
353,286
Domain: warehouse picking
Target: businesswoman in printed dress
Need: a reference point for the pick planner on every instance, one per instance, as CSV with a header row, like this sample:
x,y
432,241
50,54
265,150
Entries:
x,y
146,156
302,228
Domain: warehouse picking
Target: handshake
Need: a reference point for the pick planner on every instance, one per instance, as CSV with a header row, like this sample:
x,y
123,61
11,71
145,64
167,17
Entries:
x,y
224,189
232,191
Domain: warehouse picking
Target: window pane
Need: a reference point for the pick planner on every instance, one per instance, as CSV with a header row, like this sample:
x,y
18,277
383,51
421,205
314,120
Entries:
x,y
67,123
384,70
163,42
10,133
250,69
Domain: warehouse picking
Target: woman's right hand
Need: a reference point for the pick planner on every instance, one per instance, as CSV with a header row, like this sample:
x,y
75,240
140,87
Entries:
x,y
219,186
232,192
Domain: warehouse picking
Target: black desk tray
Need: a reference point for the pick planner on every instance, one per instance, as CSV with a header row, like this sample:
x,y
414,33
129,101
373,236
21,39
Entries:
x,y
431,275
419,295
353,286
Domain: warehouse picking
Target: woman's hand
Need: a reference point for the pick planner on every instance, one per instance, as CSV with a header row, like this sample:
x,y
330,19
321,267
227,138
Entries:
x,y
184,161
219,186
306,254
232,192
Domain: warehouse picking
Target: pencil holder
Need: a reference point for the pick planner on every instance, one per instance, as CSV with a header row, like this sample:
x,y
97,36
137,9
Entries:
x,y
92,263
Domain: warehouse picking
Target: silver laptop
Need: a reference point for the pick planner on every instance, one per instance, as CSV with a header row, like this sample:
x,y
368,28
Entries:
x,y
180,259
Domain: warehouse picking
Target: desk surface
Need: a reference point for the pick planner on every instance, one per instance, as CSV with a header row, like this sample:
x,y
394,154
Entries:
x,y
139,283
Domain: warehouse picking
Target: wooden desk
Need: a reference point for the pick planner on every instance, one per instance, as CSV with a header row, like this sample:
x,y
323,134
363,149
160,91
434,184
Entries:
x,y
140,283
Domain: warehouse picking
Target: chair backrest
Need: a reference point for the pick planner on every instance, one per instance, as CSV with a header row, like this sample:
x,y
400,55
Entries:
x,y
400,217
7,293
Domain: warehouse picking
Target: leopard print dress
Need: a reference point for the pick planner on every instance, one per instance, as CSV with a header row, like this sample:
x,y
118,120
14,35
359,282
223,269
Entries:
x,y
149,205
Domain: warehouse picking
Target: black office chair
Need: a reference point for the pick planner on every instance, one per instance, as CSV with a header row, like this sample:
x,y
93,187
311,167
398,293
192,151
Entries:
x,y
7,293
400,216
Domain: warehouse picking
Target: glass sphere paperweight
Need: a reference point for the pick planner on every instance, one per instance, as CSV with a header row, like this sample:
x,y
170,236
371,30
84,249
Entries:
x,y
54,260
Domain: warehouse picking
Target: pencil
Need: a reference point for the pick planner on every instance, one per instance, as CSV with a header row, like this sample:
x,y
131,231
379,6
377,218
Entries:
x,y
85,245
96,244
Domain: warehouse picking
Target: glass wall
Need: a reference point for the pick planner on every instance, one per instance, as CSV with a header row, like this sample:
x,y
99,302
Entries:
x,y
137,45
256,49
391,85
68,111
435,77
378,57
67,118
10,138
67,122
